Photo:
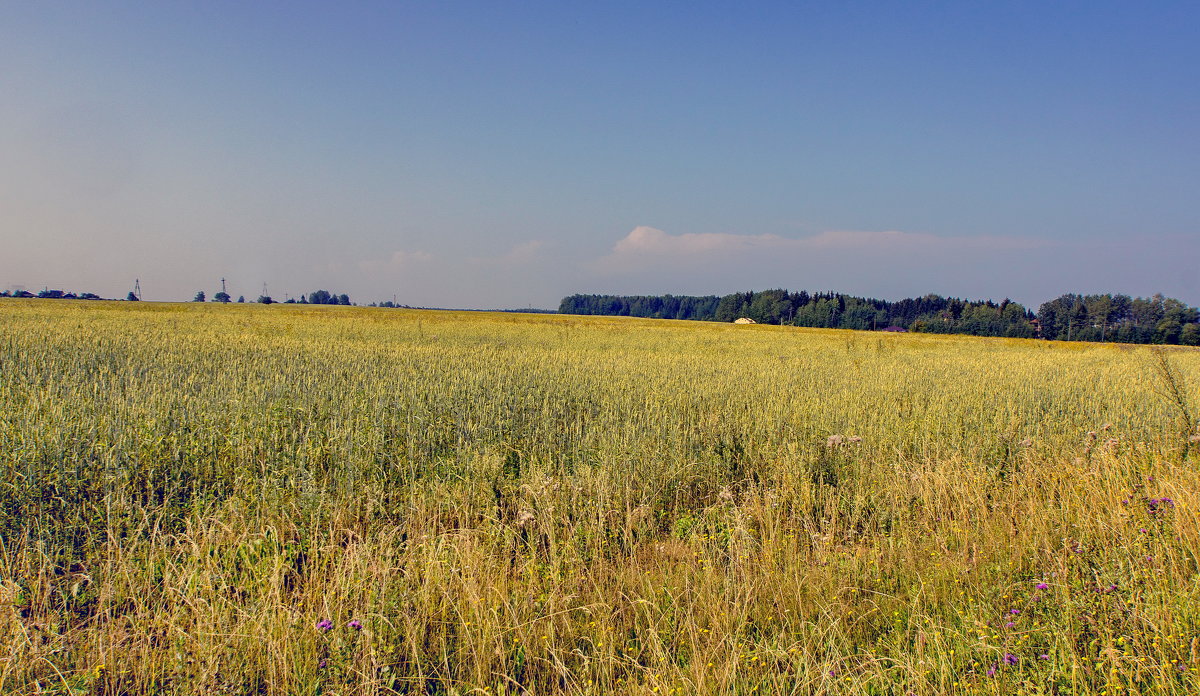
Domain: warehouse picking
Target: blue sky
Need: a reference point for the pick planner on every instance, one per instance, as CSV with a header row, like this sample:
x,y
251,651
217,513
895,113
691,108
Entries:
x,y
506,154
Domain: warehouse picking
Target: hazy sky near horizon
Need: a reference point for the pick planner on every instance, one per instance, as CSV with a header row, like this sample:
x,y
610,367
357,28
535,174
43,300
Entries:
x,y
491,154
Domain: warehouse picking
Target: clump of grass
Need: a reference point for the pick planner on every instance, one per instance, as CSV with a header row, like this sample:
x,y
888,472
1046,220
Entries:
x,y
314,500
1172,387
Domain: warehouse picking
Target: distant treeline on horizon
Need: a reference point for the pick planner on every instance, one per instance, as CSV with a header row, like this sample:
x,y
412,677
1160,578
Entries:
x,y
1115,318
315,297
1071,317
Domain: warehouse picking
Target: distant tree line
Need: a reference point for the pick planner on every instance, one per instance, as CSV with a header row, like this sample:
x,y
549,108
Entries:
x,y
48,294
322,297
658,307
1070,317
315,297
932,313
1120,318
221,296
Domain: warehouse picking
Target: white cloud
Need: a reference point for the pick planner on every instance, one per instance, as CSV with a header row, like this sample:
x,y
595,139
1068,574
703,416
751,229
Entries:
x,y
523,253
891,240
398,260
330,267
648,241
886,263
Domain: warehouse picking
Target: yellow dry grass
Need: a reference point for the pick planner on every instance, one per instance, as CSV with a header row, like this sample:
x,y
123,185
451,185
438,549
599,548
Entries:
x,y
551,504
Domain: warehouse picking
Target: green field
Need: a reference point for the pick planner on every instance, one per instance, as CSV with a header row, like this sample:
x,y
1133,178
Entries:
x,y
338,500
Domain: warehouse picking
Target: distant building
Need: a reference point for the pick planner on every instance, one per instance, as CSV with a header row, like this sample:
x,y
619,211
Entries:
x,y
895,329
744,320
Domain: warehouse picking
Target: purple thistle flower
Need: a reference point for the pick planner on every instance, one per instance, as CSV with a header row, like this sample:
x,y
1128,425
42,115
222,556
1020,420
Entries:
x,y
324,625
1042,586
1010,659
355,624
321,664
1157,504
1014,611
1043,657
991,671
1010,624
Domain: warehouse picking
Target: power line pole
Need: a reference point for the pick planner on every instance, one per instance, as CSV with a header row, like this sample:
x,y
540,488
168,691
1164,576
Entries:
x,y
137,288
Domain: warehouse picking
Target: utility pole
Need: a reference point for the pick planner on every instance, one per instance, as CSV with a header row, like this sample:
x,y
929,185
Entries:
x,y
137,288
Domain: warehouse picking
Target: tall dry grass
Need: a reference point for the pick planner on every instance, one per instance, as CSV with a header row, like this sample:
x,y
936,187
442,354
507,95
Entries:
x,y
287,500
